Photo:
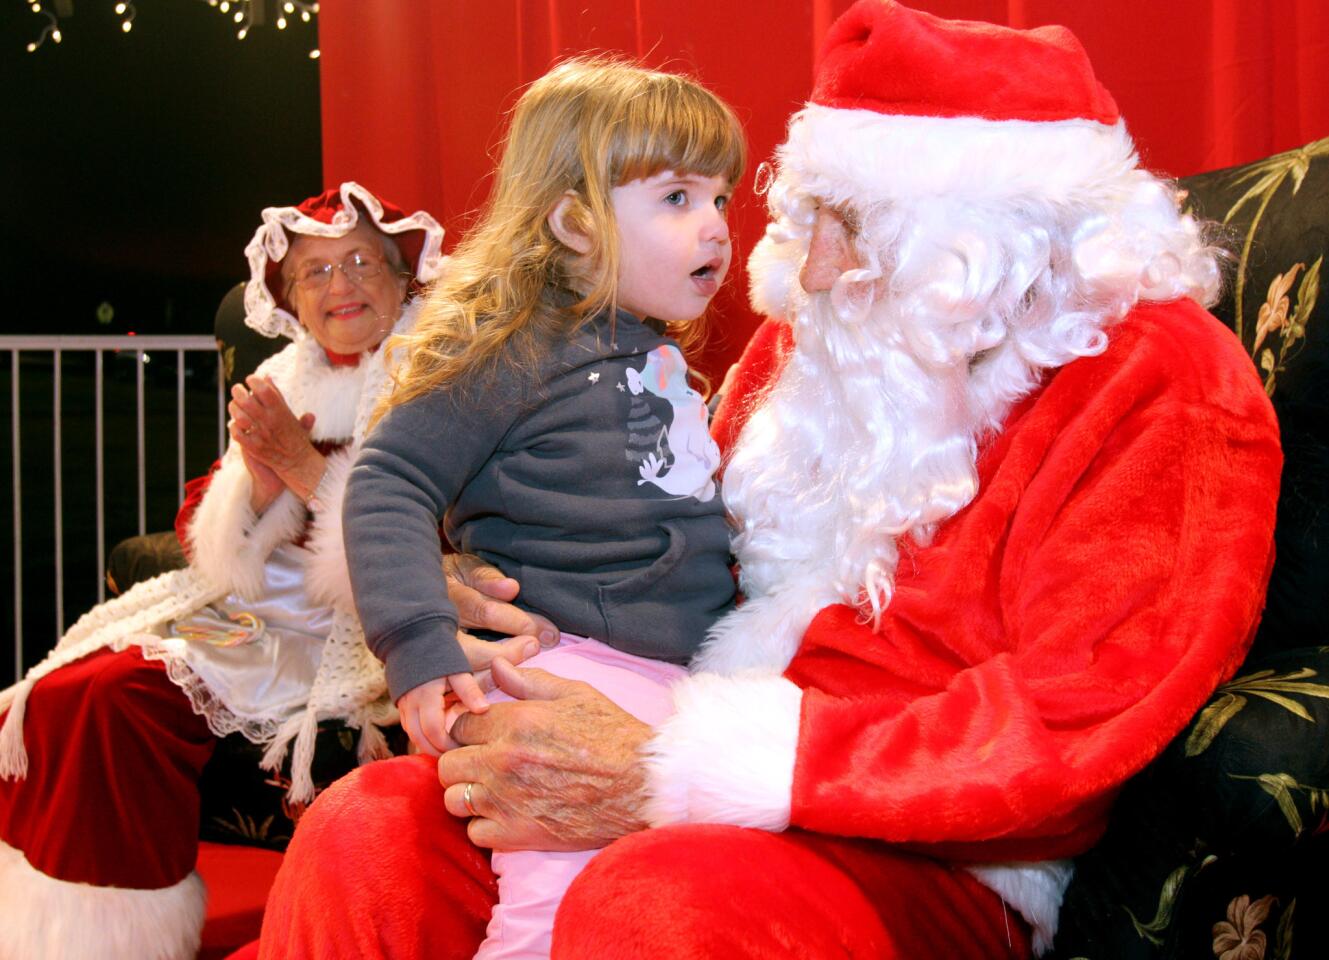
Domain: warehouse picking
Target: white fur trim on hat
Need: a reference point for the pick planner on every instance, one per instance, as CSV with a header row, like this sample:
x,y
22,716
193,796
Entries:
x,y
727,753
46,917
271,243
863,157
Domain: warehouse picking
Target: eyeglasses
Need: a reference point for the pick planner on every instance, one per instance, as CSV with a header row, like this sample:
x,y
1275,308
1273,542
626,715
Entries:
x,y
356,268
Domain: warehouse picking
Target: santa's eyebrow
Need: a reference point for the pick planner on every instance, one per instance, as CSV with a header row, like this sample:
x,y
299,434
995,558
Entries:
x,y
849,216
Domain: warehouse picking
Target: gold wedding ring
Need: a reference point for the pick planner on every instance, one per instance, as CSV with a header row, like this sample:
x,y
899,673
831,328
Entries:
x,y
466,800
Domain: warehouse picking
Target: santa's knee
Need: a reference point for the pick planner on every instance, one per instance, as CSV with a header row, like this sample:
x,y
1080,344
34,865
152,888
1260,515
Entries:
x,y
375,807
699,872
106,689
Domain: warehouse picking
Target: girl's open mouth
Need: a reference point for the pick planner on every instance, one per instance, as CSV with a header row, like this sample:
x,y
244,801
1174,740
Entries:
x,y
707,277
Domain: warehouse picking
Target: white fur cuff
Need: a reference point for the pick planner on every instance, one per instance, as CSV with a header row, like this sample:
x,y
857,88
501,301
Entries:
x,y
727,754
229,544
1035,890
327,578
45,917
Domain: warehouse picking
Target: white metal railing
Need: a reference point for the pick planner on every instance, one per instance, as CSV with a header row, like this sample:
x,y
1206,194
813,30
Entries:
x,y
142,347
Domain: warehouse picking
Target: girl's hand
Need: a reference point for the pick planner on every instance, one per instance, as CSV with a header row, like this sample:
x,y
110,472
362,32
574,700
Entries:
x,y
425,709
423,712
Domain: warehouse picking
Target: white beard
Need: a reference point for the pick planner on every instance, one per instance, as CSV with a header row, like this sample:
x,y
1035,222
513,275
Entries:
x,y
859,443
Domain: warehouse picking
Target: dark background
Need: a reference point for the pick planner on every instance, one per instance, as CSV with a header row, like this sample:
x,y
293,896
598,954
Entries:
x,y
136,166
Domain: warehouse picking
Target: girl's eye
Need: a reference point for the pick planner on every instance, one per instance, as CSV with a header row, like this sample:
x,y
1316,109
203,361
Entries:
x,y
722,203
677,198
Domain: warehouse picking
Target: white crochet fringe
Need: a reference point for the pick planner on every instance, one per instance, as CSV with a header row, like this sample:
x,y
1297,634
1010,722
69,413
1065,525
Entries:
x,y
13,757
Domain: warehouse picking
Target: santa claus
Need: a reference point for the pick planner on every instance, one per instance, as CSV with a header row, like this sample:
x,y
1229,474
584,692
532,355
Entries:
x,y
1004,500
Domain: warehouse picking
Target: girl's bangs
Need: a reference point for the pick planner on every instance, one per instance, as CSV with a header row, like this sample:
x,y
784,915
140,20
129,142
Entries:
x,y
680,128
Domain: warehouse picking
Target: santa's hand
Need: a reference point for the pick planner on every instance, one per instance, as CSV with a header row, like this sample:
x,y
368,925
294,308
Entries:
x,y
483,595
559,768
481,653
424,709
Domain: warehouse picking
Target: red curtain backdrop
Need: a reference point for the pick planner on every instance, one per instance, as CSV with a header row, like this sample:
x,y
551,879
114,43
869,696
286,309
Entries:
x,y
415,92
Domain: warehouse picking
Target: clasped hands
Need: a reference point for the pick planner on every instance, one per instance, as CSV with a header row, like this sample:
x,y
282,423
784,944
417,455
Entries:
x,y
275,444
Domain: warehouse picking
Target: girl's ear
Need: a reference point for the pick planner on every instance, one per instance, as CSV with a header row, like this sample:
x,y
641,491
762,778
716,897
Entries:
x,y
566,222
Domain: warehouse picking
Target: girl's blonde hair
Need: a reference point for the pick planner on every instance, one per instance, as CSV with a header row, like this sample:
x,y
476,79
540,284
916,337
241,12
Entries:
x,y
588,125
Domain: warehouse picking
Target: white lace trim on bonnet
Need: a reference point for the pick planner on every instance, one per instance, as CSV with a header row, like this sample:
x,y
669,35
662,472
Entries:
x,y
271,242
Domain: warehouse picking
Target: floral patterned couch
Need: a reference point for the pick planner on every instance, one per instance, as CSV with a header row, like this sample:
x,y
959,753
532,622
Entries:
x,y
1220,849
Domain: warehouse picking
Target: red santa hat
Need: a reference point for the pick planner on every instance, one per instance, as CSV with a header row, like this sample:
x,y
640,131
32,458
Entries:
x,y
909,105
333,213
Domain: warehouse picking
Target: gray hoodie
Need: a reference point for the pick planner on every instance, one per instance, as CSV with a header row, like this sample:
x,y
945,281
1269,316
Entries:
x,y
592,483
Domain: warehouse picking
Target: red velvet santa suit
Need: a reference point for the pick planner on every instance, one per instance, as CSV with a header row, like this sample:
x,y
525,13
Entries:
x,y
1066,624
1052,639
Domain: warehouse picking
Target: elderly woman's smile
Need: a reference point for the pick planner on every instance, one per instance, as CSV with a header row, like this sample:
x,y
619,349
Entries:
x,y
346,291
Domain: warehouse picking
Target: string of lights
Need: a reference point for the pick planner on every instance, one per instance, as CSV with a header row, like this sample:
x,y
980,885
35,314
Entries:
x,y
51,29
126,13
245,14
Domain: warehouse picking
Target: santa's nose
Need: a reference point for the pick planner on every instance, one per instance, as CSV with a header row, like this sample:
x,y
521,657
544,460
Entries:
x,y
830,252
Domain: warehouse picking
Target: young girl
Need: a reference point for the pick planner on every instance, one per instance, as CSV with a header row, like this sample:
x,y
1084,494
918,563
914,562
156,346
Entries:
x,y
544,415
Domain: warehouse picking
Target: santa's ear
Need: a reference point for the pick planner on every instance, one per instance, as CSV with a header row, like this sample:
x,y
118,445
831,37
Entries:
x,y
570,224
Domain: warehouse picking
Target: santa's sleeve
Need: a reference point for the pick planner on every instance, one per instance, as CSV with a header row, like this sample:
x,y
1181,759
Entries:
x,y
1128,575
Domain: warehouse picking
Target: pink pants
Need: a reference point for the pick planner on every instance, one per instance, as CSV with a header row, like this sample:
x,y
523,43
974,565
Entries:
x,y
531,883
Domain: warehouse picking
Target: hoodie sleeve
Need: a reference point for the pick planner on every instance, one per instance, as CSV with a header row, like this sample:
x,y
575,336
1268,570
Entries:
x,y
412,466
